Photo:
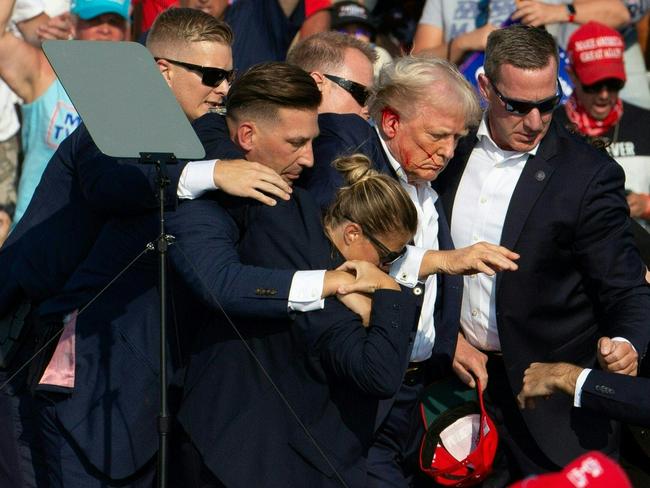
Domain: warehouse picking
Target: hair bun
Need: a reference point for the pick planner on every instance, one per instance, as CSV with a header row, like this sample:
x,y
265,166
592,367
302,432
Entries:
x,y
355,168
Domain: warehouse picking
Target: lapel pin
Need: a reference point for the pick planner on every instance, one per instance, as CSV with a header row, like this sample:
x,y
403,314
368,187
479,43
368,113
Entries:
x,y
540,175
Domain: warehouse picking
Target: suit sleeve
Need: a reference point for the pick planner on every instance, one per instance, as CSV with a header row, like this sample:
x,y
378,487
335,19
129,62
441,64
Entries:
x,y
370,359
622,397
120,186
205,257
610,261
341,135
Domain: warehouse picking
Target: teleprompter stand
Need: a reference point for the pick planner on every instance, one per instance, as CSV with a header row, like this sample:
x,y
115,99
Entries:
x,y
130,112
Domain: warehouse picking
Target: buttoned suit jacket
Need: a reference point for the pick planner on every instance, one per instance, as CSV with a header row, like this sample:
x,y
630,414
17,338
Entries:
x,y
329,368
580,277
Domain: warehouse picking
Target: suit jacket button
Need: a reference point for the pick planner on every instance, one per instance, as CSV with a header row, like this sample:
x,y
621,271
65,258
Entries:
x,y
417,291
258,291
273,292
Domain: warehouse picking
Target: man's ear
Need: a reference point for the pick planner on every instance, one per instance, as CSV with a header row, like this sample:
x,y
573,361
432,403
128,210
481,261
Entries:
x,y
319,79
246,135
483,86
390,122
351,233
165,70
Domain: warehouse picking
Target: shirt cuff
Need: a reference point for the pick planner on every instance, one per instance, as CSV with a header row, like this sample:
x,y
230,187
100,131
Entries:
x,y
623,339
196,178
306,291
577,396
406,270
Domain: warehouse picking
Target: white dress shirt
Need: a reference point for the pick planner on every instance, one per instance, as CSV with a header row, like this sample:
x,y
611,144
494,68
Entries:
x,y
405,269
480,208
306,286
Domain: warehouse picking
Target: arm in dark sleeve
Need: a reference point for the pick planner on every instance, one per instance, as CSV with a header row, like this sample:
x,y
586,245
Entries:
x,y
340,135
371,359
205,257
610,261
120,186
622,397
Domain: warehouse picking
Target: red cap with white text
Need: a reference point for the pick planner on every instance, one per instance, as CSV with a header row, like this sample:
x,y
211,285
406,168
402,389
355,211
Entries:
x,y
596,53
591,470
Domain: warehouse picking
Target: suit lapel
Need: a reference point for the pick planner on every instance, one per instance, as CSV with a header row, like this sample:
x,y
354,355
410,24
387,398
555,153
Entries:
x,y
535,176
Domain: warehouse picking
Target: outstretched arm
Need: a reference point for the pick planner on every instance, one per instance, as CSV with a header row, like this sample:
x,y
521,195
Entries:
x,y
612,13
22,66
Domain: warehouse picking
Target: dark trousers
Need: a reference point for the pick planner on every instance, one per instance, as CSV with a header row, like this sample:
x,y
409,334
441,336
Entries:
x,y
67,466
518,454
392,459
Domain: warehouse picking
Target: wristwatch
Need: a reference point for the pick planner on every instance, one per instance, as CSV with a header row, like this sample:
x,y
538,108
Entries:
x,y
572,12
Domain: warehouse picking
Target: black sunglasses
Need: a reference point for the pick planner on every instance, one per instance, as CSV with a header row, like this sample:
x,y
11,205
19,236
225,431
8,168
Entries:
x,y
209,76
520,107
611,84
386,256
359,92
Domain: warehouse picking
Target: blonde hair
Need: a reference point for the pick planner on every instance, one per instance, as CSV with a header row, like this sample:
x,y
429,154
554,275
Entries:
x,y
410,82
177,26
373,200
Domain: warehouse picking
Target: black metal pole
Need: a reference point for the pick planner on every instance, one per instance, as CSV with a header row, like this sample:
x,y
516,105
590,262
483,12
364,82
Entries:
x,y
162,243
164,419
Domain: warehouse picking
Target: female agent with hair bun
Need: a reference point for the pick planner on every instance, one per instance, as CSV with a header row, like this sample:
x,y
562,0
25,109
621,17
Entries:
x,y
331,369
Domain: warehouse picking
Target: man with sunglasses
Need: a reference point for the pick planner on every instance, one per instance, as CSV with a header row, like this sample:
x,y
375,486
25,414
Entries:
x,y
341,65
596,110
522,180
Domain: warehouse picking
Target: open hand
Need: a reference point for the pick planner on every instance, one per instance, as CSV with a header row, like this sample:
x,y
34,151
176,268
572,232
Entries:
x,y
247,179
60,27
481,257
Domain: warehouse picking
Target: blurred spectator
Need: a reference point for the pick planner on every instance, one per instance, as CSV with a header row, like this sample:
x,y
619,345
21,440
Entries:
x,y
25,19
5,222
396,21
48,114
636,88
264,29
454,28
596,110
352,18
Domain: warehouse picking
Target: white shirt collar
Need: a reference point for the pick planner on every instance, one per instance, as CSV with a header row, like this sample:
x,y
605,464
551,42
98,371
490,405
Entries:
x,y
488,144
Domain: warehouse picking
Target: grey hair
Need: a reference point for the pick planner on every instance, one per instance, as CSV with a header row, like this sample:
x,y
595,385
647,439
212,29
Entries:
x,y
411,81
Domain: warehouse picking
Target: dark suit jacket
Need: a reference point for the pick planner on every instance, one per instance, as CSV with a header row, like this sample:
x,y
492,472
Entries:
x,y
111,412
340,135
622,397
330,369
580,277
79,189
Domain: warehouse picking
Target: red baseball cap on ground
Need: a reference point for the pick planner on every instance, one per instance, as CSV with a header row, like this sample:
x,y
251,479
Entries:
x,y
596,53
591,470
461,440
